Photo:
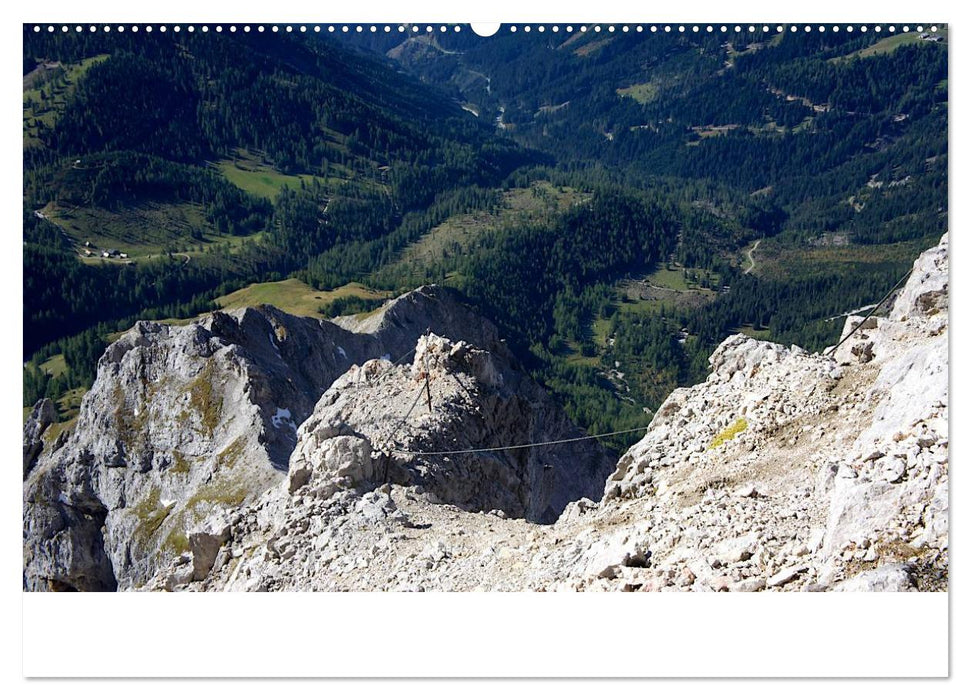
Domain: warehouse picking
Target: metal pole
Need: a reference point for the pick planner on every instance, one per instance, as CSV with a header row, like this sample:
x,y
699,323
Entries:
x,y
428,391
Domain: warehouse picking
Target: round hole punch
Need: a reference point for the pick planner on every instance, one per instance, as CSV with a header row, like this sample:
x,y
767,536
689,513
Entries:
x,y
485,29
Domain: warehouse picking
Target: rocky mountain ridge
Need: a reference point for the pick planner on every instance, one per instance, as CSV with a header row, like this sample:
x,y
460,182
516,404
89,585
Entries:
x,y
183,421
784,470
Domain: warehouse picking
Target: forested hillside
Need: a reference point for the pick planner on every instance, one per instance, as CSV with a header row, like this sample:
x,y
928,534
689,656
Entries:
x,y
204,163
616,202
802,172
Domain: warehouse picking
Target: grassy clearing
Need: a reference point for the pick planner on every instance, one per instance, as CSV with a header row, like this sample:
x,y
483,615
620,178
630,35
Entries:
x,y
646,295
454,238
293,296
640,92
541,198
785,260
249,172
671,279
574,356
644,307
600,331
143,231
663,287
888,45
46,92
54,365
289,295
733,51
449,240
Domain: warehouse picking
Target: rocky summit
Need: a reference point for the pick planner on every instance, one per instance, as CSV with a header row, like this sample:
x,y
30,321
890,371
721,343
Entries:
x,y
258,451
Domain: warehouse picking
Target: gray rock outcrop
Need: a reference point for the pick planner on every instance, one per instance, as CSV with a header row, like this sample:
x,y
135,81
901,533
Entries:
x,y
783,471
794,471
456,397
372,431
41,416
185,420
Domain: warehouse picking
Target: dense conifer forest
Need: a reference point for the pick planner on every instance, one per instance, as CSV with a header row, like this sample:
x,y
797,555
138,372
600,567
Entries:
x,y
617,202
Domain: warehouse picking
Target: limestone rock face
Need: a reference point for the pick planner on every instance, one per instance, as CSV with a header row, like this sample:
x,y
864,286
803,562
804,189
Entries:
x,y
372,436
898,498
185,420
42,415
456,397
783,471
326,463
791,471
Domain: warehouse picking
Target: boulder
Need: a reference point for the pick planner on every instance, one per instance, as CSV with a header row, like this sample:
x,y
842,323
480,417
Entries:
x,y
41,416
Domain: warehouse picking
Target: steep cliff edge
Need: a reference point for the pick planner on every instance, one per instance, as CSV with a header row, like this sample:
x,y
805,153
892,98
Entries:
x,y
186,421
784,470
791,471
384,433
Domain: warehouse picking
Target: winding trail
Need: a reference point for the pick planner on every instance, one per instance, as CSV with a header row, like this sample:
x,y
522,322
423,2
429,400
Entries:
x,y
751,260
854,312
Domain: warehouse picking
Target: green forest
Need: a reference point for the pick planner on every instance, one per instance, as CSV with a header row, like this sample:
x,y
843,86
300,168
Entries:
x,y
617,203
